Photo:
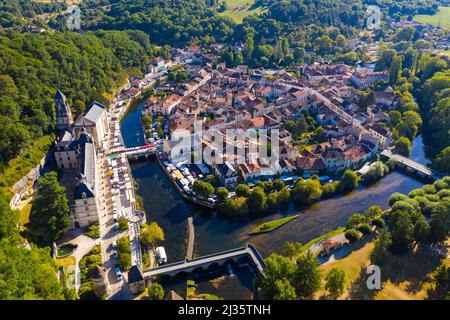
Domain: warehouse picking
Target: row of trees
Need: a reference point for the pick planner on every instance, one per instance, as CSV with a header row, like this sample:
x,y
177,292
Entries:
x,y
274,195
286,280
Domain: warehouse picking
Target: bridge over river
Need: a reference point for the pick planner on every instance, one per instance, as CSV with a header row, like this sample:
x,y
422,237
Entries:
x,y
412,165
244,254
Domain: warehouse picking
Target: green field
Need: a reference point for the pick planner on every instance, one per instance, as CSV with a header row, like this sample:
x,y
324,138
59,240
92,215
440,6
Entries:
x,y
272,225
237,10
442,18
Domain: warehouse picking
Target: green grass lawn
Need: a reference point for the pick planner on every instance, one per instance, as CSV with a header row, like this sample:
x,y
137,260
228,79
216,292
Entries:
x,y
237,10
272,225
442,18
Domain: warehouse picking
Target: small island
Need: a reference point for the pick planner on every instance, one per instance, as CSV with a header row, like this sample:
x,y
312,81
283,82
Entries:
x,y
272,225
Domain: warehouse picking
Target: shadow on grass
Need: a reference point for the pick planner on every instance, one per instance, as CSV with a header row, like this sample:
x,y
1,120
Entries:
x,y
413,267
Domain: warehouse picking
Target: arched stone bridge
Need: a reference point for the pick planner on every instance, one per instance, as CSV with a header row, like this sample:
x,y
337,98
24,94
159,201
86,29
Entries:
x,y
248,253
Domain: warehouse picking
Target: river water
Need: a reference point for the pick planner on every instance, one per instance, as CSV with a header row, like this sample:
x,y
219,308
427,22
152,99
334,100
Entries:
x,y
213,233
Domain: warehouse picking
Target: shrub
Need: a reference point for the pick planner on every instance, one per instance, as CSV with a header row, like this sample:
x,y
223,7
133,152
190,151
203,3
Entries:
x,y
93,231
352,235
365,228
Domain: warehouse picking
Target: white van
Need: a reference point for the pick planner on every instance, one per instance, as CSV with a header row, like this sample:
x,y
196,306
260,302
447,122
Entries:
x,y
161,255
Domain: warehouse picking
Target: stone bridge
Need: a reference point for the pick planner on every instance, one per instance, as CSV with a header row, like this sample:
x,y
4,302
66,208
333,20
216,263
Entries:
x,y
245,254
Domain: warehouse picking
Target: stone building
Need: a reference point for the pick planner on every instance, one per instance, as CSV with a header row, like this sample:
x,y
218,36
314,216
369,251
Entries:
x,y
86,209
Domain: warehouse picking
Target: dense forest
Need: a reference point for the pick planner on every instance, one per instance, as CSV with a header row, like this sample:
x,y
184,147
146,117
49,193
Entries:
x,y
83,66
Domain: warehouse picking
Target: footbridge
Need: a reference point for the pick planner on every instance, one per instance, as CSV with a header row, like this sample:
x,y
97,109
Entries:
x,y
134,153
412,165
245,254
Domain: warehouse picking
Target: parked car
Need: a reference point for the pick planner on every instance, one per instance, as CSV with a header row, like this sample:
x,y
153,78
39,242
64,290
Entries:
x,y
118,272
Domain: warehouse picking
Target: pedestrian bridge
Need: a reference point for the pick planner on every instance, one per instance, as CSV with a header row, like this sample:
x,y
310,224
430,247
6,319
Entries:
x,y
245,254
412,165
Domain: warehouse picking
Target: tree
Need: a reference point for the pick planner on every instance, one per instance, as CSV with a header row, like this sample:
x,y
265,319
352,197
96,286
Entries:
x,y
378,222
257,201
236,206
27,274
335,282
283,198
284,290
401,231
323,45
147,122
373,211
439,224
291,249
242,190
123,224
8,219
442,161
307,191
385,60
155,291
405,34
278,184
355,220
125,260
307,275
348,182
50,212
381,248
202,188
152,234
365,228
222,194
352,235
403,146
277,268
441,283
395,70
422,231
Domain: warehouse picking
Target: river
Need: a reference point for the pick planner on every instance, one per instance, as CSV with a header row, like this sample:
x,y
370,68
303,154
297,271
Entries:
x,y
212,233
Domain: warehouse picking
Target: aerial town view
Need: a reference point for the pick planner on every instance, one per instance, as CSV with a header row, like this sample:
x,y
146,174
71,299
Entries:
x,y
224,150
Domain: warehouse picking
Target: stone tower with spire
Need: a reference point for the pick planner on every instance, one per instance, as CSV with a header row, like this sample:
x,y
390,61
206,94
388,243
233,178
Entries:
x,y
64,117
